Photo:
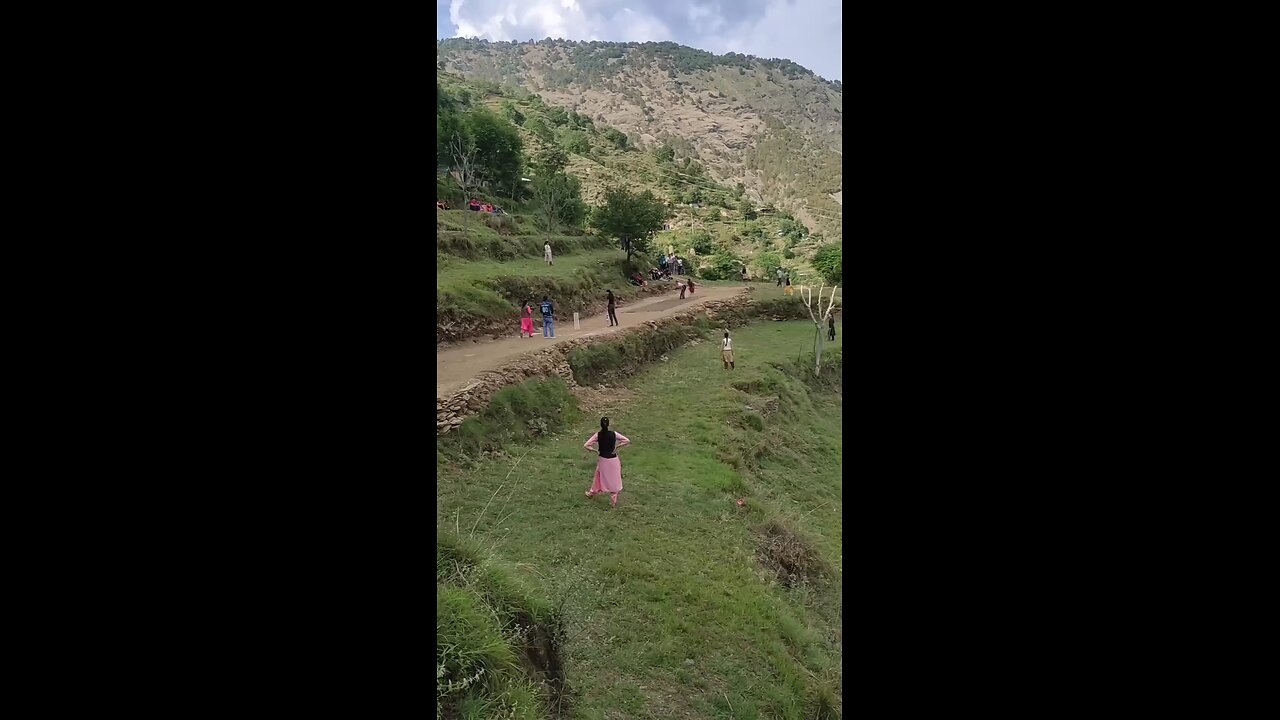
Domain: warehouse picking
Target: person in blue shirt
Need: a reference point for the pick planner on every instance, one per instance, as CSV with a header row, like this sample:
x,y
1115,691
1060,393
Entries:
x,y
548,321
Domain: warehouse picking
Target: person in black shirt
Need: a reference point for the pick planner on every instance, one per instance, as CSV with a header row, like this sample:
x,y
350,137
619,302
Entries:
x,y
608,477
613,316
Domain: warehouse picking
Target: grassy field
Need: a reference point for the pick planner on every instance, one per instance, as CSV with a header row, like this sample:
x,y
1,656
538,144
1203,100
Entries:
x,y
672,605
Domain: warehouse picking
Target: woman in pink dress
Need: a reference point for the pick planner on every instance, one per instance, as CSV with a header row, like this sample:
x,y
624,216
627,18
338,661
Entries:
x,y
526,319
608,477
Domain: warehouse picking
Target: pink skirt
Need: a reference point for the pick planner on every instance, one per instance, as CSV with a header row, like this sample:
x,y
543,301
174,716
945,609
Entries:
x,y
526,325
608,477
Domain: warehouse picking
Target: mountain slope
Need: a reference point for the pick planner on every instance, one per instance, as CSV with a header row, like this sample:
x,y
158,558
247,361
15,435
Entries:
x,y
770,125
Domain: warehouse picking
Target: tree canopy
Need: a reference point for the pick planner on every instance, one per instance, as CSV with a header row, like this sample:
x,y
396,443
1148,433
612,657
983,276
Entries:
x,y
632,218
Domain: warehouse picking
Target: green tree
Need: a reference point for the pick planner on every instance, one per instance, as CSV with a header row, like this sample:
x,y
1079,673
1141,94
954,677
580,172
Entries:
x,y
513,113
768,262
632,218
723,266
575,141
539,128
552,159
747,210
498,149
617,137
827,261
559,198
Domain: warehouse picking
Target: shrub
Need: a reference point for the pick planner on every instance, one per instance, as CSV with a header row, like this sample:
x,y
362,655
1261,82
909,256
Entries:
x,y
521,412
602,361
768,262
702,243
722,267
827,261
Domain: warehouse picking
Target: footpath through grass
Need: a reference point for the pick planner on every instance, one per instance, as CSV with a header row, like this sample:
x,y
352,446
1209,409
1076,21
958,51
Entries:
x,y
680,603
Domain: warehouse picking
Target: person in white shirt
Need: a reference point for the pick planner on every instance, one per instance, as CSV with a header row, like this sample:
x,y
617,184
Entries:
x,y
546,253
726,351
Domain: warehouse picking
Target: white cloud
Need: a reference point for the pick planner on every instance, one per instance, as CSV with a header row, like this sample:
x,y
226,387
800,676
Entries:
x,y
805,31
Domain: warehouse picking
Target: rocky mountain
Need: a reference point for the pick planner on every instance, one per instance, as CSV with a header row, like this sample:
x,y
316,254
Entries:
x,y
767,124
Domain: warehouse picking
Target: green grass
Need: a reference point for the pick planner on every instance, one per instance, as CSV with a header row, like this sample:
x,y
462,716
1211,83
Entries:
x,y
668,611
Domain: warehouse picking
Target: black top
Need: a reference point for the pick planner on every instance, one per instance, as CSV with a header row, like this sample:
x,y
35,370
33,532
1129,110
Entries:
x,y
610,299
608,439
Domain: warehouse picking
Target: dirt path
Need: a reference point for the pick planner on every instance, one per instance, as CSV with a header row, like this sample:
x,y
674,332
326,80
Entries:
x,y
457,365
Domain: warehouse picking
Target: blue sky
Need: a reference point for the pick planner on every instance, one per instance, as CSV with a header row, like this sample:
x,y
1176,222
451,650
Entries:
x,y
804,31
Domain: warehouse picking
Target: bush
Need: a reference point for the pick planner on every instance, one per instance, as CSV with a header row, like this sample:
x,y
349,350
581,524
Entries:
x,y
827,261
768,262
617,137
722,267
592,364
518,413
575,141
702,243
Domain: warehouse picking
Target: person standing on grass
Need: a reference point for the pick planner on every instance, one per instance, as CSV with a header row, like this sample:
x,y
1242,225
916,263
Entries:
x,y
526,319
613,316
831,327
726,351
608,477
779,277
744,273
546,253
548,321
789,290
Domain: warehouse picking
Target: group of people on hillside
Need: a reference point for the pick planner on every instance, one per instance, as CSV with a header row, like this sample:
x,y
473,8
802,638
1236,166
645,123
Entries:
x,y
475,205
669,264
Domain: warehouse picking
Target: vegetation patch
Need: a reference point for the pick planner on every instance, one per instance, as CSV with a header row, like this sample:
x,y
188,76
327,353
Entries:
x,y
789,555
497,642
607,361
519,413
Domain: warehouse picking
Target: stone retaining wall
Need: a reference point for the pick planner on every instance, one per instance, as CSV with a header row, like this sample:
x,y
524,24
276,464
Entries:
x,y
471,399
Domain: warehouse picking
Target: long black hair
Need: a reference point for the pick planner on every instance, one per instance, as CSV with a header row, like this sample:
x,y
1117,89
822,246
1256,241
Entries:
x,y
604,423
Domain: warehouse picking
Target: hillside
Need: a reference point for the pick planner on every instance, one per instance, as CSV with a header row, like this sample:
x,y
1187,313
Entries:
x,y
711,591
769,125
487,264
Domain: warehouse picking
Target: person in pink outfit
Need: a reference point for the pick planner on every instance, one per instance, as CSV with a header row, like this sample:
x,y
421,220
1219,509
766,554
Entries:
x,y
526,319
608,477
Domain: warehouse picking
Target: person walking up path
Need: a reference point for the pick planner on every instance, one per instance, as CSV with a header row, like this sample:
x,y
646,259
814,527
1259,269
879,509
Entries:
x,y
613,315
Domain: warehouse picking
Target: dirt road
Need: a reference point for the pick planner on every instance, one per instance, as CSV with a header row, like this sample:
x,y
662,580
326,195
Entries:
x,y
457,365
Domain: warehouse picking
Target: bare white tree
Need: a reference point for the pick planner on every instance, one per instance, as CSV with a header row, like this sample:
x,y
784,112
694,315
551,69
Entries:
x,y
819,318
463,150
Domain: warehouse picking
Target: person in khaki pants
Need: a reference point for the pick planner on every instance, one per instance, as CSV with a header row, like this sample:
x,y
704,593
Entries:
x,y
726,351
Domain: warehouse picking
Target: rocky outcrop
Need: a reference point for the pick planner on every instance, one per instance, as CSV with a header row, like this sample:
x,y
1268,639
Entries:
x,y
471,399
